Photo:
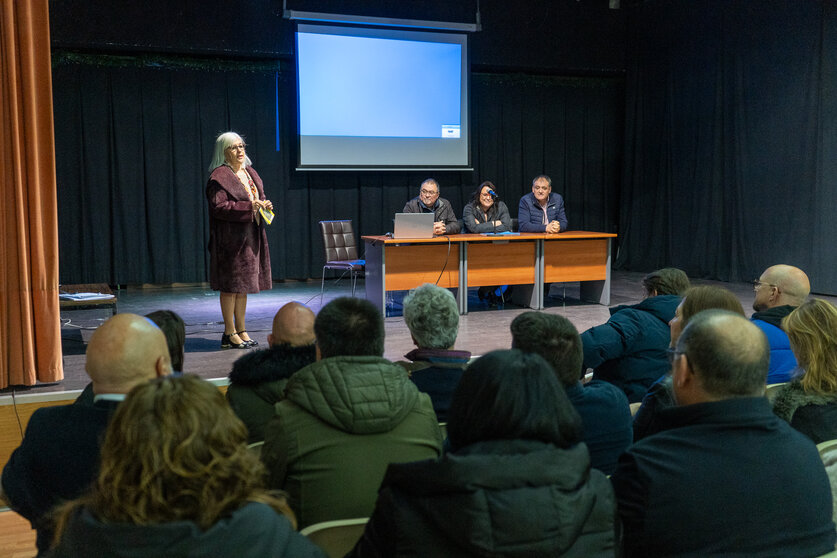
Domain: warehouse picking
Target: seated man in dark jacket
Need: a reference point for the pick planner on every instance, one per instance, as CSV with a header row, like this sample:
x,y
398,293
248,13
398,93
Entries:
x,y
59,455
725,476
432,316
345,418
428,201
258,379
629,350
541,211
603,408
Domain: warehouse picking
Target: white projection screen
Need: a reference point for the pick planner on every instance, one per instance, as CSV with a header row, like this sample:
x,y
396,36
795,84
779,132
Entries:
x,y
381,99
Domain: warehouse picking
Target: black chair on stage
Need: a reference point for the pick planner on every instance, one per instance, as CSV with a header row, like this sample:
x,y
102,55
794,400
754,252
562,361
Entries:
x,y
340,251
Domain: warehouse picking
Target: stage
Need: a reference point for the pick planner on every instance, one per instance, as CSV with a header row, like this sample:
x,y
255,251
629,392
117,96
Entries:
x,y
481,330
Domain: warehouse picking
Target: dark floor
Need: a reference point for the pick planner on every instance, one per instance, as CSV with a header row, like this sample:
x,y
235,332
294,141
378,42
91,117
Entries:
x,y
482,330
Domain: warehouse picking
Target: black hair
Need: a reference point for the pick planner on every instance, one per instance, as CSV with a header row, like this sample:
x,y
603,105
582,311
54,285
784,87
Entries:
x,y
349,326
509,395
553,337
175,331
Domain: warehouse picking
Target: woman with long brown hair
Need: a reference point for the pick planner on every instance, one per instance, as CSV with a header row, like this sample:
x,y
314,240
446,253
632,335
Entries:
x,y
809,401
177,479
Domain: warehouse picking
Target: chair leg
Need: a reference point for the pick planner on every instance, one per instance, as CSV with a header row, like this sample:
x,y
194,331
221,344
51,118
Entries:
x,y
354,282
322,288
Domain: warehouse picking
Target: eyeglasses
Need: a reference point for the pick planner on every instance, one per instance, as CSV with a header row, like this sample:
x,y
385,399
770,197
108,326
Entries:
x,y
236,147
429,192
758,283
672,354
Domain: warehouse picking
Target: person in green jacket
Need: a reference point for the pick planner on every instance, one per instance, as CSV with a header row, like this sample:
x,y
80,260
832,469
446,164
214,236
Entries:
x,y
345,418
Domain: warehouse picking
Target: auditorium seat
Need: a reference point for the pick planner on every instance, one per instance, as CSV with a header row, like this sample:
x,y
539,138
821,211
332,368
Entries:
x,y
337,537
340,251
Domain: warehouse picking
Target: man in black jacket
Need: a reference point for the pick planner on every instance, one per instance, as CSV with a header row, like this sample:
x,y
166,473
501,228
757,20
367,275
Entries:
x,y
428,201
725,476
59,455
258,379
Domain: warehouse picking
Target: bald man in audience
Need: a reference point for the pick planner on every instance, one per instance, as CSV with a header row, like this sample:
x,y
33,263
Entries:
x,y
59,455
724,476
779,290
258,379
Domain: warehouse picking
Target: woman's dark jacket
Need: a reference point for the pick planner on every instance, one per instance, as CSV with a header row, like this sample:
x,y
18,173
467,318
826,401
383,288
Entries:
x,y
812,414
497,212
511,498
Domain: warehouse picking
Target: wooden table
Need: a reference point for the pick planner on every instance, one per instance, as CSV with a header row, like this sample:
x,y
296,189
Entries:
x,y
91,304
473,260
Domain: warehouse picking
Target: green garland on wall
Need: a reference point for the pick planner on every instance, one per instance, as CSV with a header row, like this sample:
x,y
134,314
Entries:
x,y
167,62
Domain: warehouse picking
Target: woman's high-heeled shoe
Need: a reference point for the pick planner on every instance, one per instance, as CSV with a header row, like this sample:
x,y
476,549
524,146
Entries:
x,y
248,342
226,343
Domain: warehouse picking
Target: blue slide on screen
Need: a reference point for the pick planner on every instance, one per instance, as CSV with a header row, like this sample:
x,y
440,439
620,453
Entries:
x,y
372,98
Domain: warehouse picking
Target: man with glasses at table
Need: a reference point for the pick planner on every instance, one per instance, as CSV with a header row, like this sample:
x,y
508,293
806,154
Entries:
x,y
779,290
428,201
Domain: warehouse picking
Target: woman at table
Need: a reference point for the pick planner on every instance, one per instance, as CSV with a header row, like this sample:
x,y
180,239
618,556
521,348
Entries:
x,y
239,259
485,213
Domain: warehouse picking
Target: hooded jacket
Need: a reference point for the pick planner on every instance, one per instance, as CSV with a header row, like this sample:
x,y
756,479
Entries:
x,y
509,498
343,420
253,531
629,350
257,382
813,414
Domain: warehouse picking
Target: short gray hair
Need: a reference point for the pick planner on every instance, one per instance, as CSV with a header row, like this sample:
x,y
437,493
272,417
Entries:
x,y
222,142
727,352
433,182
432,315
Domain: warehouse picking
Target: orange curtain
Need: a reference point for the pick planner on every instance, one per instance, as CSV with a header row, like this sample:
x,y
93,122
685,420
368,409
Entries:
x,y
30,330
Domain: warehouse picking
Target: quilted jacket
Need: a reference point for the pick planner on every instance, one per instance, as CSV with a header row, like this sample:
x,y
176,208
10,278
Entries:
x,y
342,422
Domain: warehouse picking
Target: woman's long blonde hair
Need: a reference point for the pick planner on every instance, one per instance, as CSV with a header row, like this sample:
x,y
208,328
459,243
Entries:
x,y
175,451
812,330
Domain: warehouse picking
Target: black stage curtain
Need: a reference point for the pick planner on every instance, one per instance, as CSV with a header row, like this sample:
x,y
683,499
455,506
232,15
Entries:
x,y
134,141
731,138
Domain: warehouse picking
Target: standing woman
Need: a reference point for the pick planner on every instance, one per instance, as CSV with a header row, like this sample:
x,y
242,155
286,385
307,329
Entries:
x,y
239,259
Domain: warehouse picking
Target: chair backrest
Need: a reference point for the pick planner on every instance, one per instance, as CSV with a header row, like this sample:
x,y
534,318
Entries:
x,y
338,537
339,240
256,447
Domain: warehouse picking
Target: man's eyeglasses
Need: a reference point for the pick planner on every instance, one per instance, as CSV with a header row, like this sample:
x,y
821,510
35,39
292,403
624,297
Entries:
x,y
758,283
429,192
672,354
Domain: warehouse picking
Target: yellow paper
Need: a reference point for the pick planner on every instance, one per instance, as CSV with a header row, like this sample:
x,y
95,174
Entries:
x,y
267,215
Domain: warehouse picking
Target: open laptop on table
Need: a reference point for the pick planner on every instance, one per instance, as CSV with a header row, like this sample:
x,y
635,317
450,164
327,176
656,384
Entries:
x,y
414,225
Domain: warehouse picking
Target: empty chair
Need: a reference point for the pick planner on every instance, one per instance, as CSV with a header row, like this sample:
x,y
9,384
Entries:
x,y
337,537
340,251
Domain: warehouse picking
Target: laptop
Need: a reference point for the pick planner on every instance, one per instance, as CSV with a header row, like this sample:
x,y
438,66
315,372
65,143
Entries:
x,y
414,225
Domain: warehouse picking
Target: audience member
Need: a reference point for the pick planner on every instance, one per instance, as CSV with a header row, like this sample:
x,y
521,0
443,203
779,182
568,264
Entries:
x,y
174,329
258,379
59,455
428,201
809,403
603,407
660,395
345,418
517,481
432,316
541,211
779,290
177,480
726,476
629,350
